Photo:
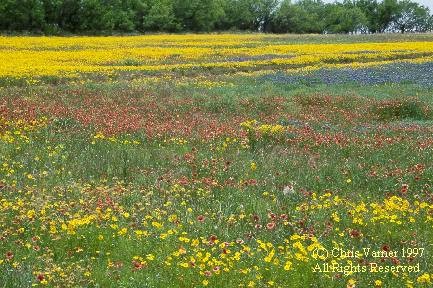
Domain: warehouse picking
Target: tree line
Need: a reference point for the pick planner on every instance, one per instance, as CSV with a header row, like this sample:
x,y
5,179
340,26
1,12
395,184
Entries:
x,y
276,16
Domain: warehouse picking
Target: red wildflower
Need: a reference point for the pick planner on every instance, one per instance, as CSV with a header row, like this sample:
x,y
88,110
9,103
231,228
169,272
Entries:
x,y
270,225
183,181
395,261
354,233
256,218
137,265
212,239
200,218
40,277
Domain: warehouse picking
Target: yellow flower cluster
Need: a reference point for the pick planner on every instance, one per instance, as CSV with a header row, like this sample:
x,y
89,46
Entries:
x,y
70,57
100,137
266,132
267,129
73,224
393,210
13,131
264,129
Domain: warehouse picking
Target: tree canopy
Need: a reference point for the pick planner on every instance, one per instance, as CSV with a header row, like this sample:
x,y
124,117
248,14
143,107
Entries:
x,y
277,16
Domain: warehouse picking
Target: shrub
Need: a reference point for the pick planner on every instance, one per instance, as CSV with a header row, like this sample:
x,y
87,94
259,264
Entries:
x,y
399,110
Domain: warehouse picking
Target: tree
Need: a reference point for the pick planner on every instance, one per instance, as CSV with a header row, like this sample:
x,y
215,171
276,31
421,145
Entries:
x,y
239,15
285,19
264,11
22,15
281,16
106,16
410,16
387,12
51,9
207,14
198,15
91,15
430,23
161,17
370,8
345,19
294,18
305,16
69,15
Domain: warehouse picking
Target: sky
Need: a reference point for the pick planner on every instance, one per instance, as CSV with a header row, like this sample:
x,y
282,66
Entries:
x,y
428,3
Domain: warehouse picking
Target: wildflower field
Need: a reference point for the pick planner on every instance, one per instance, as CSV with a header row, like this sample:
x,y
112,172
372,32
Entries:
x,y
226,160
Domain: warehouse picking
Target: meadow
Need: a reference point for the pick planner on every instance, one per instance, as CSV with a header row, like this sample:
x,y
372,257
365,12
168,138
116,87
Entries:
x,y
221,160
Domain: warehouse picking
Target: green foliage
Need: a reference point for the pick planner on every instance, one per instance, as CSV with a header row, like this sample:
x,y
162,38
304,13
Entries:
x,y
21,14
306,16
370,8
345,19
160,17
285,16
198,15
239,14
402,109
410,16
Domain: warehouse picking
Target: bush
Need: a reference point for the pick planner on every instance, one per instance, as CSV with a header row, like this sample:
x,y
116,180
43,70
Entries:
x,y
399,110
